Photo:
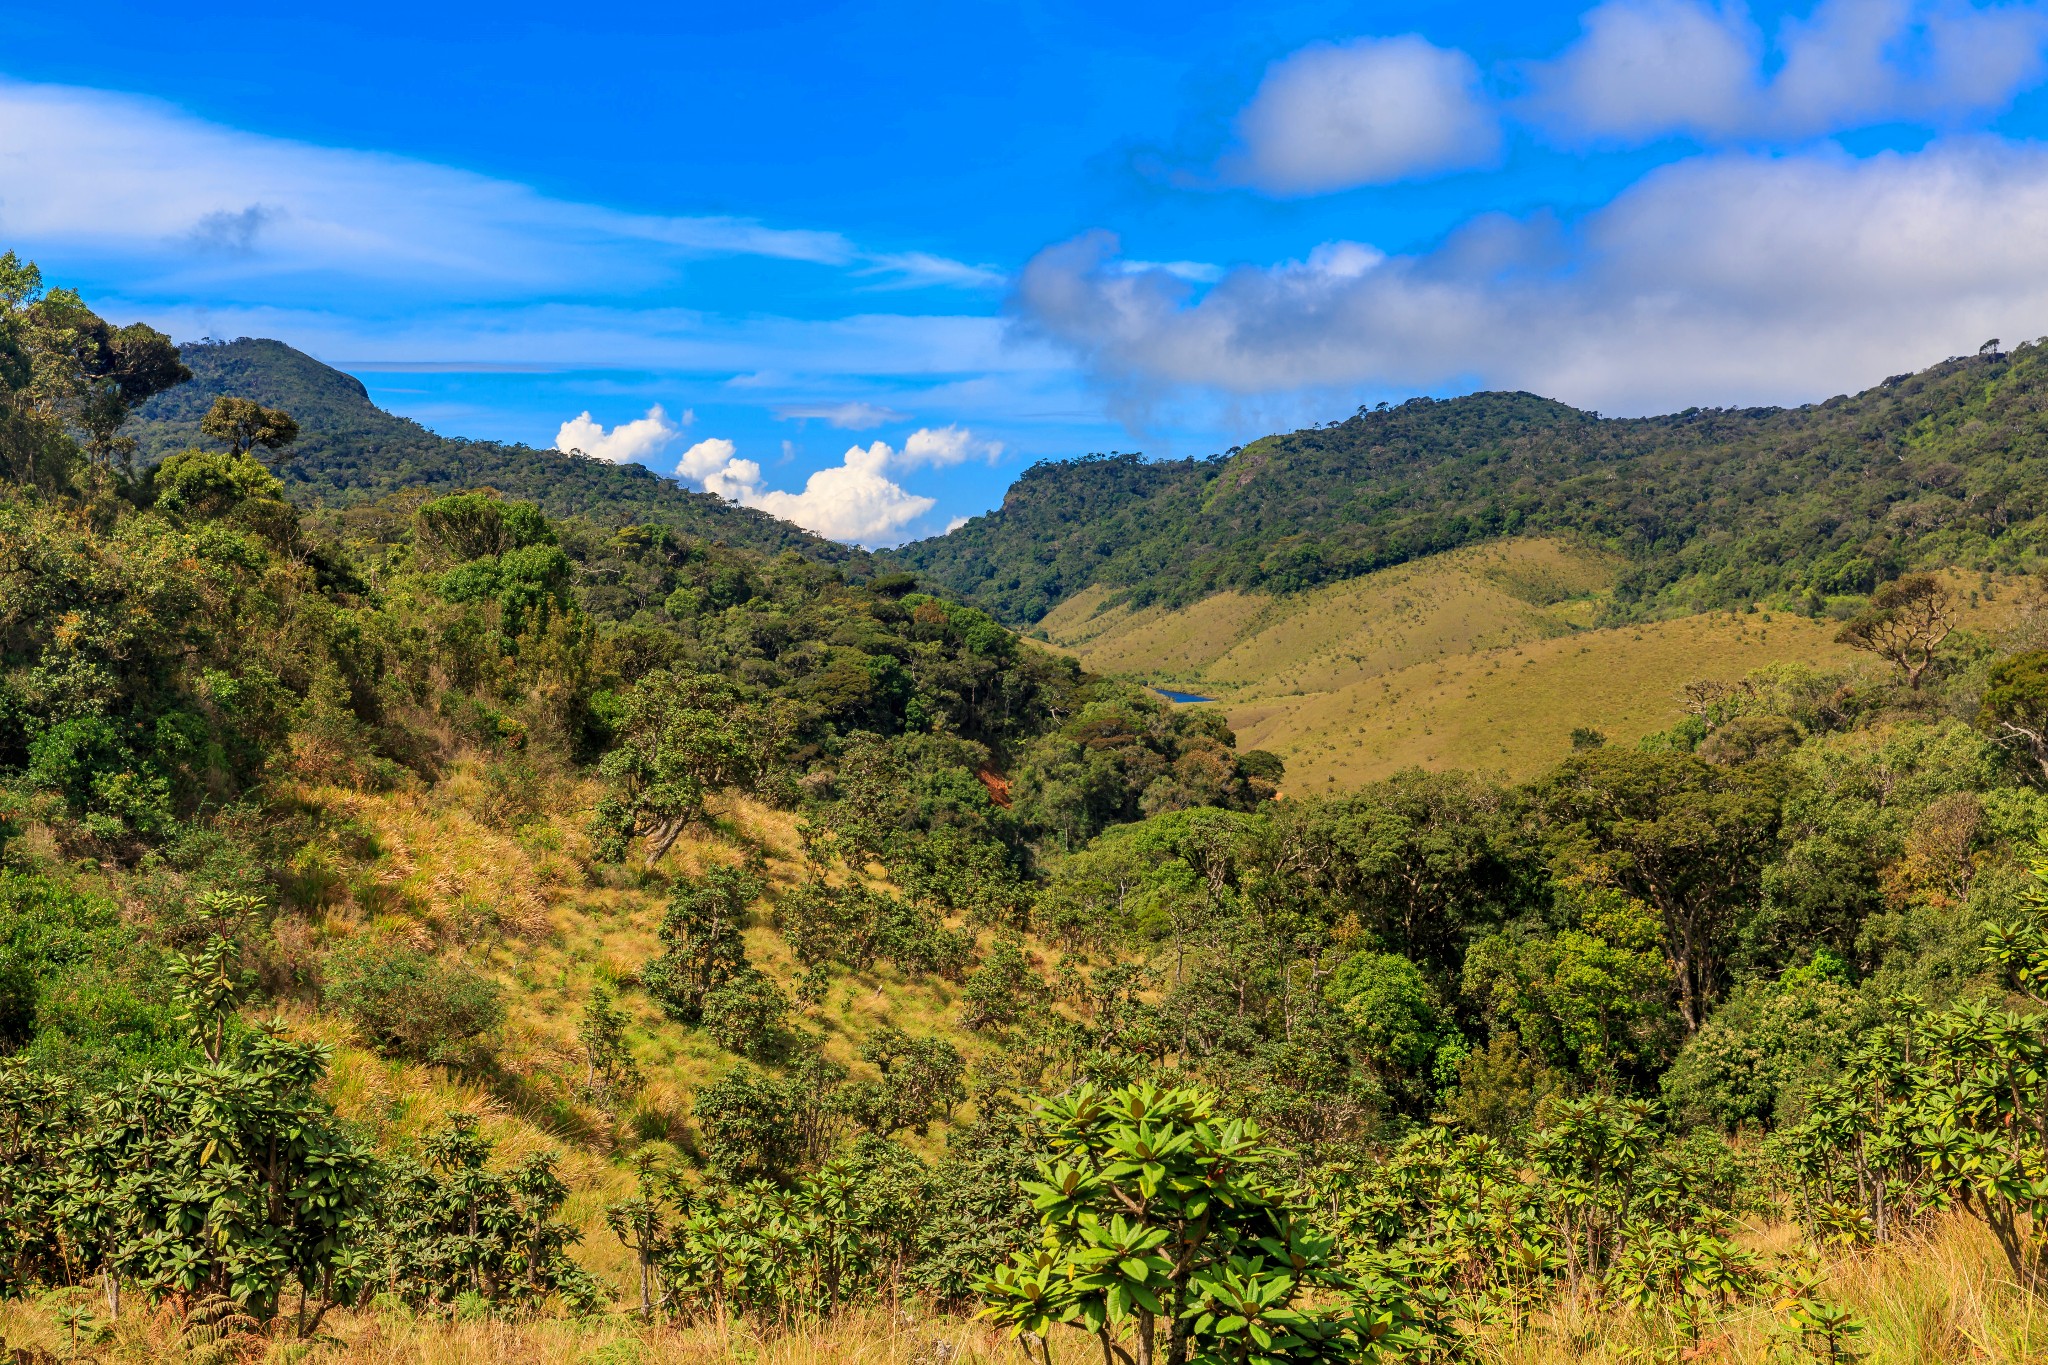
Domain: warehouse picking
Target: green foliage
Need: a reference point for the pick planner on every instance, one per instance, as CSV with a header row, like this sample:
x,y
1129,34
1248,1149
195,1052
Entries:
x,y
750,1125
1753,1060
1680,834
680,736
212,483
922,1081
452,1227
1124,755
1396,1021
1590,996
744,1013
1005,990
611,1073
1941,1109
410,1004
2015,703
1160,1231
225,1178
1712,507
84,992
702,944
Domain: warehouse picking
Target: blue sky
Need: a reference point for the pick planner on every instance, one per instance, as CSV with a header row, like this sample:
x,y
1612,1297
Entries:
x,y
860,263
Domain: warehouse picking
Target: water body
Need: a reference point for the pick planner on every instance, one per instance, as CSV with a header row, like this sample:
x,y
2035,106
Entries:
x,y
1172,695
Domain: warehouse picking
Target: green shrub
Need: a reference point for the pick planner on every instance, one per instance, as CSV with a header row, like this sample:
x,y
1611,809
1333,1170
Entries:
x,y
410,1005
80,993
745,1013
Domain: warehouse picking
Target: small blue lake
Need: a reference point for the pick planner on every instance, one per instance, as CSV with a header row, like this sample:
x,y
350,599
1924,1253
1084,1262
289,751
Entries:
x,y
1172,695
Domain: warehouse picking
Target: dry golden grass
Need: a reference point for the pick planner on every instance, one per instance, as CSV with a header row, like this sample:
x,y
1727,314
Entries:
x,y
1940,1299
514,894
1478,658
1234,644
1510,711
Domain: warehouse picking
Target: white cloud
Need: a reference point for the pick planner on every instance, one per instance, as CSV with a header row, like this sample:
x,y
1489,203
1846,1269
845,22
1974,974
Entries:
x,y
1723,279
942,446
635,442
705,459
918,269
1365,112
852,416
1649,68
139,180
855,499
956,523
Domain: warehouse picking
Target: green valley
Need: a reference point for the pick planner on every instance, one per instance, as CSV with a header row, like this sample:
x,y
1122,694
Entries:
x,y
461,904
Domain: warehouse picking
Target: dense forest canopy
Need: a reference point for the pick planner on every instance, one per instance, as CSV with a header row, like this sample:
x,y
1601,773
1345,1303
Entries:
x,y
1711,507
1008,989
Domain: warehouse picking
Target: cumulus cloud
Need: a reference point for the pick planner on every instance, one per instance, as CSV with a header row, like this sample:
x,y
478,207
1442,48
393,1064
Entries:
x,y
1728,278
635,442
856,499
1649,68
1370,111
942,446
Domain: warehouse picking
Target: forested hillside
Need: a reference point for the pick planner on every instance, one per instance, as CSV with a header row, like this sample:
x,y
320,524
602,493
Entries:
x,y
351,451
1709,507
436,930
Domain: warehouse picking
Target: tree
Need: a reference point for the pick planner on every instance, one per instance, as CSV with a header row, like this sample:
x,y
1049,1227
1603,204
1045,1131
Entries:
x,y
1688,837
244,425
1157,1220
611,1072
451,1225
2015,704
1396,1025
680,736
923,1080
1904,625
63,369
231,1177
701,935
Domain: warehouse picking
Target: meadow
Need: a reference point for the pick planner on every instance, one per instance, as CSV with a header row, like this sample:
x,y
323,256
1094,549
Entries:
x,y
1485,659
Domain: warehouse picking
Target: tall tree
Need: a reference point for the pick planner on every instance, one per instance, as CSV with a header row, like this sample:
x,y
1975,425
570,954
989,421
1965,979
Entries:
x,y
244,425
1904,625
1690,838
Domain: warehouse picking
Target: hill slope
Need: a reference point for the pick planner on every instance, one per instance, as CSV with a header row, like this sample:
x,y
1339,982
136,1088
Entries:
x,y
1707,507
1484,658
351,451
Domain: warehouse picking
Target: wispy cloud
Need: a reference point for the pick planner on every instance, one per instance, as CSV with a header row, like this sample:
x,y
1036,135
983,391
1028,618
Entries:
x,y
850,416
137,179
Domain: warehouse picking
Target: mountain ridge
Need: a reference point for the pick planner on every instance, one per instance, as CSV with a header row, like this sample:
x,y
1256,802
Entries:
x,y
1709,506
352,451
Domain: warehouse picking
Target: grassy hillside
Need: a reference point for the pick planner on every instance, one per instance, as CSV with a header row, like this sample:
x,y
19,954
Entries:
x,y
1242,644
528,905
433,932
351,451
1708,507
1484,658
